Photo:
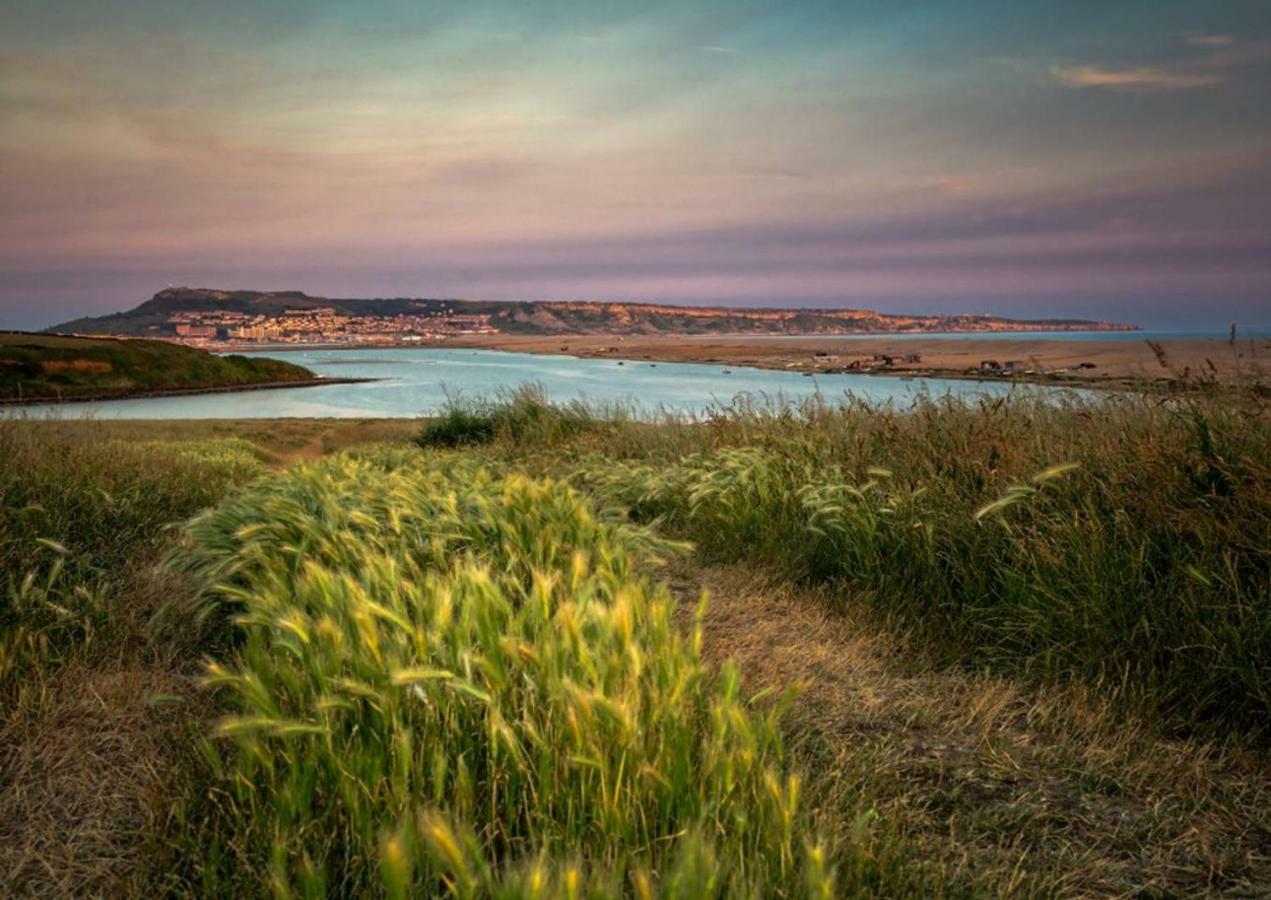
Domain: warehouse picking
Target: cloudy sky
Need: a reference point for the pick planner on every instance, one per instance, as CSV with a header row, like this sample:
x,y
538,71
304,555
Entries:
x,y
1105,159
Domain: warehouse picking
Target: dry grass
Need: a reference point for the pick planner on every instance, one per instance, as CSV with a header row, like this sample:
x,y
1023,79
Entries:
x,y
88,765
87,783
284,440
92,758
981,785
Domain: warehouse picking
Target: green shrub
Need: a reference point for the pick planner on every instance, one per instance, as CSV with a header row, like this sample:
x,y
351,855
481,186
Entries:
x,y
456,427
522,418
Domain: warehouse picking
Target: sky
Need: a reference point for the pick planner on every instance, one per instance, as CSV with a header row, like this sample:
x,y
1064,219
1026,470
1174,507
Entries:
x,y
1104,159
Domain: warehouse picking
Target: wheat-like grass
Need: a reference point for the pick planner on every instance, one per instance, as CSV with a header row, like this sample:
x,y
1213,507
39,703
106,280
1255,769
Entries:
x,y
449,680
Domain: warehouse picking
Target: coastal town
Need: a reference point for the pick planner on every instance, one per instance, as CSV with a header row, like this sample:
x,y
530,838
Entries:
x,y
323,326
227,319
430,323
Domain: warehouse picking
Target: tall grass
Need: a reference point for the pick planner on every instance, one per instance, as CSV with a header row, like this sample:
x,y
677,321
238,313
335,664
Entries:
x,y
78,517
1124,541
522,417
449,682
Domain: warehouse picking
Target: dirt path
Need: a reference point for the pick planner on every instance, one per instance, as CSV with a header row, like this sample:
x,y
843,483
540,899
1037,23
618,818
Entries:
x,y
991,787
86,785
342,434
94,754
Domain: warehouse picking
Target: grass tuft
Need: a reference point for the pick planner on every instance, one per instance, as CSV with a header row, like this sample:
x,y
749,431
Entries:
x,y
523,417
453,682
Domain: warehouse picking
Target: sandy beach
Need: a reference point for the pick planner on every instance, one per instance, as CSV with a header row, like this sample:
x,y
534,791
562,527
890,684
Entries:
x,y
1079,362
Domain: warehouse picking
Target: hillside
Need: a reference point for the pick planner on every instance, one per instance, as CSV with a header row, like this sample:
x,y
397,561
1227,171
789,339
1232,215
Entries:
x,y
36,366
154,317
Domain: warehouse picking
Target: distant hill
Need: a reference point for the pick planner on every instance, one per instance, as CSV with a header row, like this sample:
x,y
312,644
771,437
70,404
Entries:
x,y
152,318
37,367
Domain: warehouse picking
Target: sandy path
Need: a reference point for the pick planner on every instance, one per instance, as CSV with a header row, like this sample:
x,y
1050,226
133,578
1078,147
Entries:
x,y
1022,791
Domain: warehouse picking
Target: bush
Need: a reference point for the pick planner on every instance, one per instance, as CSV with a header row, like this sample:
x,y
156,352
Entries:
x,y
457,427
521,418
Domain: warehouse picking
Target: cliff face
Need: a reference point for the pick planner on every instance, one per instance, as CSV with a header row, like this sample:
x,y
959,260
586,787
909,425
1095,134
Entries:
x,y
560,317
650,318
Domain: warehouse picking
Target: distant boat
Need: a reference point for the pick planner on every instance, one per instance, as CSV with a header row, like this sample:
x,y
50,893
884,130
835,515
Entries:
x,y
728,371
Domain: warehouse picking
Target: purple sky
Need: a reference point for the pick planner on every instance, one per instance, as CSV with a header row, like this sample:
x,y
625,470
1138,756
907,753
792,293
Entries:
x,y
1084,159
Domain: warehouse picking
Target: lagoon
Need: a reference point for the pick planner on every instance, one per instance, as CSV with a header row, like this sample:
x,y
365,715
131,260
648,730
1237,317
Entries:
x,y
417,382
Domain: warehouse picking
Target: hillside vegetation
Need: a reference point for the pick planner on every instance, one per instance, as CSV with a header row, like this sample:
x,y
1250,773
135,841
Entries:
x,y
966,649
37,366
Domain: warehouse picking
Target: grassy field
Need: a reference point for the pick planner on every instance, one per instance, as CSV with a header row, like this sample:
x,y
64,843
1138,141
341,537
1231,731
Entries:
x,y
1010,648
43,366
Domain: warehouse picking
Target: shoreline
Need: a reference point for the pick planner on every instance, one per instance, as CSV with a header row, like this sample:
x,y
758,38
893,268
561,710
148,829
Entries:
x,y
1045,378
1042,360
177,392
1047,362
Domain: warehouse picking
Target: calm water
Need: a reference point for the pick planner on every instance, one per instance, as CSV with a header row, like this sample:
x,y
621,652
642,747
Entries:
x,y
415,382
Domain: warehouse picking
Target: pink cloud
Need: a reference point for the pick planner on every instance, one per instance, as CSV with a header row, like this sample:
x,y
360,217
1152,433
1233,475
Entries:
x,y
1200,39
1138,79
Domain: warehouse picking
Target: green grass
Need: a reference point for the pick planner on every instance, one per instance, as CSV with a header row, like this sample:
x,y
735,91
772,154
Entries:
x,y
79,516
456,667
1123,542
452,682
37,366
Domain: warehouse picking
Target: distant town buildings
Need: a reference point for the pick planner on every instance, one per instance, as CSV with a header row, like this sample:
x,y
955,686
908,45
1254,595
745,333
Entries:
x,y
323,325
